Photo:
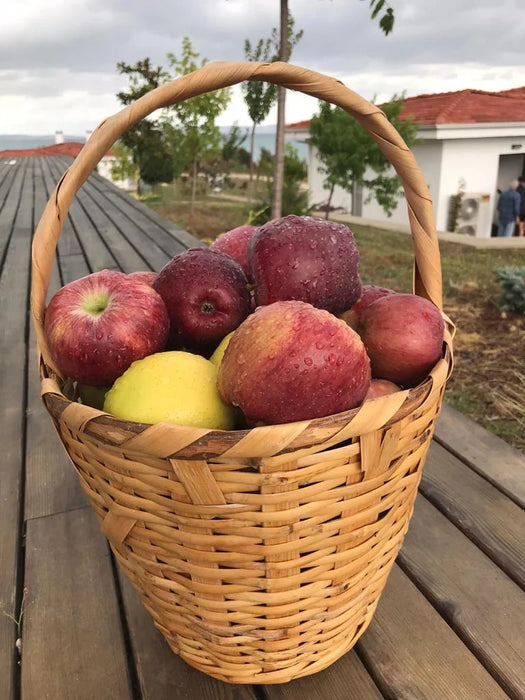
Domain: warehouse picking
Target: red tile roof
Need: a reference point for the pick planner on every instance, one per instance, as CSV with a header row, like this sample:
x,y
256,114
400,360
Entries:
x,y
462,107
299,125
467,107
71,148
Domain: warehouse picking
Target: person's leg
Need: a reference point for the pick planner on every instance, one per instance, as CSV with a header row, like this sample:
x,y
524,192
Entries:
x,y
509,229
521,227
501,229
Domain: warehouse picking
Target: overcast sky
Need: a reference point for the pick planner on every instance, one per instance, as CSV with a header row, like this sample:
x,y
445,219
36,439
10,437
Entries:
x,y
58,58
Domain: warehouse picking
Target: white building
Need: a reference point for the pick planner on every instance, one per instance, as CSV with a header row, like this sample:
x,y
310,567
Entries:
x,y
469,140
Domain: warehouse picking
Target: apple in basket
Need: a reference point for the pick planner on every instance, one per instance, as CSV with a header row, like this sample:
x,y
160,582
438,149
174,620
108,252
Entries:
x,y
311,260
207,296
289,361
98,325
403,336
369,293
235,244
147,276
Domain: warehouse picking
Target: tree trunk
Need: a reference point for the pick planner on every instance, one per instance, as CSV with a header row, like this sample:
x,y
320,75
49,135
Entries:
x,y
279,136
329,202
193,186
252,145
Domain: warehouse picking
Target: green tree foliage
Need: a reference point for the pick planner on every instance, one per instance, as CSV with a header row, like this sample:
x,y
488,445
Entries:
x,y
294,198
379,9
195,135
351,158
146,141
386,19
258,95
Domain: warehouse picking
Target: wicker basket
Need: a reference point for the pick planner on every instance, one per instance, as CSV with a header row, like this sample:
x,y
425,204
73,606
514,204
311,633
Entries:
x,y
260,554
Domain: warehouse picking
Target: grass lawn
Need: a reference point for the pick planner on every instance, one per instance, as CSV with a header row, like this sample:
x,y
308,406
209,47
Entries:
x,y
488,382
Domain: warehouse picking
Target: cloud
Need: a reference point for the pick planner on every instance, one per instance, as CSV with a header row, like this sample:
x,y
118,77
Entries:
x,y
54,53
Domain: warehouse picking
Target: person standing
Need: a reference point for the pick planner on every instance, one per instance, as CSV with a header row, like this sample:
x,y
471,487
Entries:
x,y
509,210
521,192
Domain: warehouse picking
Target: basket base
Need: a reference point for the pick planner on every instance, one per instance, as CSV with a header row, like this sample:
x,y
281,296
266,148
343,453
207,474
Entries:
x,y
277,675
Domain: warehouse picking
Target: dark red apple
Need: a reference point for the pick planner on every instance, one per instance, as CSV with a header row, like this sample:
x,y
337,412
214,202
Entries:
x,y
98,325
381,387
289,361
235,244
206,294
403,335
369,293
146,276
311,260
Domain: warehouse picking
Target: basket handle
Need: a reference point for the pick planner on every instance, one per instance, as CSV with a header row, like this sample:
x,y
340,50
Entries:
x,y
213,76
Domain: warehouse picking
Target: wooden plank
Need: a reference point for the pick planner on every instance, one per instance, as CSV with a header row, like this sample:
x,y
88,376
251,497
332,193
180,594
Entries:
x,y
412,652
482,512
484,452
481,604
15,224
154,256
162,674
168,235
68,243
9,206
185,239
98,255
346,679
72,639
126,257
52,484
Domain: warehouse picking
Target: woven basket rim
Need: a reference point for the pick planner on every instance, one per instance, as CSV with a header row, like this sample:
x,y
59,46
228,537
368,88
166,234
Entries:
x,y
208,443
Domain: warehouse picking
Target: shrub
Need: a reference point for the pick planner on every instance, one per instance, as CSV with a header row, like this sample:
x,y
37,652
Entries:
x,y
511,296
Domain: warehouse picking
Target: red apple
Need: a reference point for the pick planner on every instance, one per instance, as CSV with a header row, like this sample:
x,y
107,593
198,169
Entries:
x,y
98,325
403,335
146,276
369,293
206,294
311,260
235,244
289,361
381,387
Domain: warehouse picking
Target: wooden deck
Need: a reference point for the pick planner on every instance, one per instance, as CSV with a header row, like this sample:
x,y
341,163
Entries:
x,y
450,623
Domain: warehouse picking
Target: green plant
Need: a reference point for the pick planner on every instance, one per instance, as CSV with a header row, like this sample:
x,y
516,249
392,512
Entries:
x,y
511,295
294,199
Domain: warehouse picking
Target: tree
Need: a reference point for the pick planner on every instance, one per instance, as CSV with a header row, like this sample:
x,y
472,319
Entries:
x,y
349,154
196,136
258,96
386,24
294,198
287,41
146,141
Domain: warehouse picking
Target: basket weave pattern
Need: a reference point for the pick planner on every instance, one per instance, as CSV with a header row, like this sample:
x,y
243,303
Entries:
x,y
260,554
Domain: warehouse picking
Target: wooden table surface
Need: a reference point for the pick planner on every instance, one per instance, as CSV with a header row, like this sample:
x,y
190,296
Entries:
x,y
450,623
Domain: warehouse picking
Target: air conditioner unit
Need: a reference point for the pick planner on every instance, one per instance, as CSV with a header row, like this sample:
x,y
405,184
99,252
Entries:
x,y
474,215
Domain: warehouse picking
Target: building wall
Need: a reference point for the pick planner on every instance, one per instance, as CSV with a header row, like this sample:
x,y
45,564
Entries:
x,y
484,156
428,157
477,162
